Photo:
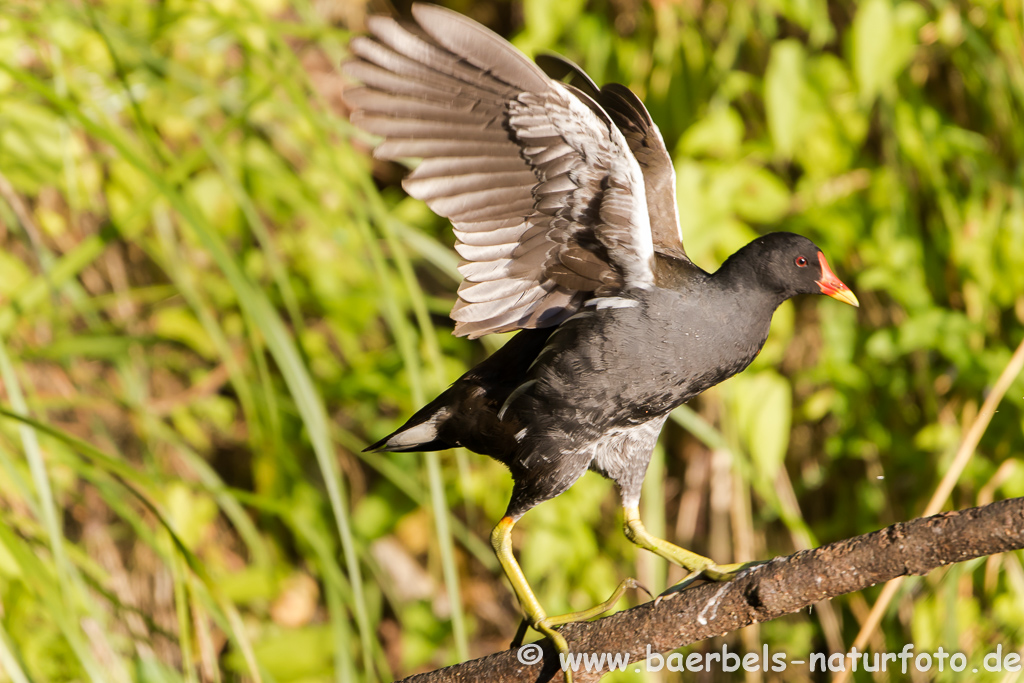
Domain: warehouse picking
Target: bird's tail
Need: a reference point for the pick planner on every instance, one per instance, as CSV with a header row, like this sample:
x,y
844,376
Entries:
x,y
419,433
466,414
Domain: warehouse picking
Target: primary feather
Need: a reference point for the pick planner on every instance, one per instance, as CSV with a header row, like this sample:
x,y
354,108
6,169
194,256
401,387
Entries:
x,y
551,196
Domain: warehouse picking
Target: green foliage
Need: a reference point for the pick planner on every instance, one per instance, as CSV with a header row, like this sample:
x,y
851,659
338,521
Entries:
x,y
212,299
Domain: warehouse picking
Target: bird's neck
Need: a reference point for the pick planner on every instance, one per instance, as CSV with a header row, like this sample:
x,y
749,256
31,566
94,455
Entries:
x,y
740,276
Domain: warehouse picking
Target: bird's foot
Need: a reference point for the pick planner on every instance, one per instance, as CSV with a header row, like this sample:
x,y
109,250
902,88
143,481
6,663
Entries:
x,y
583,615
697,566
547,625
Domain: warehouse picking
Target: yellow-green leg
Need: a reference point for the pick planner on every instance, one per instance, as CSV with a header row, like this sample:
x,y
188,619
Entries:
x,y
583,615
698,565
535,617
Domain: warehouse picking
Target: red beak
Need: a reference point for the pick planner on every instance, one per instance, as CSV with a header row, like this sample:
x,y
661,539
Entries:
x,y
833,286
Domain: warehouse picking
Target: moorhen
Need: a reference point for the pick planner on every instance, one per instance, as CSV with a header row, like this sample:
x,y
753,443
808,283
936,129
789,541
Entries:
x,y
562,197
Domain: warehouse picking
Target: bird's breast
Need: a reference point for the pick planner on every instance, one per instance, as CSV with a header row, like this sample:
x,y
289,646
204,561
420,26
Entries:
x,y
628,364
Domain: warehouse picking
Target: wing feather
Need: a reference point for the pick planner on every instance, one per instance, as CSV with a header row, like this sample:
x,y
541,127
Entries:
x,y
547,199
642,135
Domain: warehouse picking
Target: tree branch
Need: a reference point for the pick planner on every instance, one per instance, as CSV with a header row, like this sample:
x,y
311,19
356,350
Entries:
x,y
782,586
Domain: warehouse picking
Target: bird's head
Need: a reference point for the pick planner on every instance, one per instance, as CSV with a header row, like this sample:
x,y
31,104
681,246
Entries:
x,y
791,264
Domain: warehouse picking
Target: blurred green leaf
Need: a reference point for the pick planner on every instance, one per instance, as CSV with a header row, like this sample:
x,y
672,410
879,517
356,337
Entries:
x,y
760,196
763,407
190,514
181,325
783,95
719,134
292,654
872,41
884,38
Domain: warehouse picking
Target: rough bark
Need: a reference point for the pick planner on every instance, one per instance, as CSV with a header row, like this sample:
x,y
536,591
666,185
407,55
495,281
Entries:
x,y
782,586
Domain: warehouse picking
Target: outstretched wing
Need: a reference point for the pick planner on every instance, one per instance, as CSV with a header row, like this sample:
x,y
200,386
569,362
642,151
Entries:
x,y
642,135
547,201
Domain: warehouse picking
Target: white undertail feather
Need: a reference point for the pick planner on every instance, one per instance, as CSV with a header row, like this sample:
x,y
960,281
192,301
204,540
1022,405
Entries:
x,y
414,436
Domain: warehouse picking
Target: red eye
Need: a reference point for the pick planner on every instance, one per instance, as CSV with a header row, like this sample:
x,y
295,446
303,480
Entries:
x,y
801,261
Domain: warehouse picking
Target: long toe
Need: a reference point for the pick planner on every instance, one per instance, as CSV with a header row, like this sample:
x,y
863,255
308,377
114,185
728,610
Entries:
x,y
599,609
711,572
547,625
728,572
558,640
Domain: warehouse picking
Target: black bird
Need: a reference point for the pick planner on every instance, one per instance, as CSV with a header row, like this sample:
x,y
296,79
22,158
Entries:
x,y
562,197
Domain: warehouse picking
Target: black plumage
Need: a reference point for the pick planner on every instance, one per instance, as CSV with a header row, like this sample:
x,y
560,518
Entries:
x,y
562,200
606,378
